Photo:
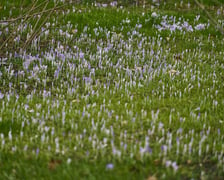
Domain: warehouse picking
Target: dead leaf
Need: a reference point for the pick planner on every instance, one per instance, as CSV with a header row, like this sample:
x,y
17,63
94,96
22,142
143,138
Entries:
x,y
156,161
173,71
188,161
178,57
13,171
75,100
139,68
54,163
124,122
151,178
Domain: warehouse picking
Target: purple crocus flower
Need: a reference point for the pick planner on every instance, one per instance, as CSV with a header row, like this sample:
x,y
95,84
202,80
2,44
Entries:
x,y
110,166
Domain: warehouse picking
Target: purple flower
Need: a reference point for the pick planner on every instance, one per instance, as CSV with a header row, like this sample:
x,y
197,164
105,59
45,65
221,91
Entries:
x,y
168,163
104,5
37,151
180,130
81,55
175,166
109,166
1,95
218,131
61,56
200,27
139,26
149,150
113,4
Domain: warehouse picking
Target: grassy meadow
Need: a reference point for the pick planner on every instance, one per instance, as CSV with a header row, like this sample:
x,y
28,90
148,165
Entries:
x,y
111,90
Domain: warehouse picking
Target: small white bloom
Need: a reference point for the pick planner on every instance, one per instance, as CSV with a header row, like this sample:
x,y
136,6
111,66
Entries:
x,y
69,161
154,14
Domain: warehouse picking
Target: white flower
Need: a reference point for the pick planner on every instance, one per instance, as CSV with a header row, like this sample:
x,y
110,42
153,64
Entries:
x,y
69,161
154,14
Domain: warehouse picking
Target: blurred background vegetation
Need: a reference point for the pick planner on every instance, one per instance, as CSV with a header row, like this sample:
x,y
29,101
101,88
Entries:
x,y
37,13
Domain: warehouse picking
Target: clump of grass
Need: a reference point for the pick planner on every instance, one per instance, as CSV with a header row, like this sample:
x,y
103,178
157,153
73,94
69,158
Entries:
x,y
17,32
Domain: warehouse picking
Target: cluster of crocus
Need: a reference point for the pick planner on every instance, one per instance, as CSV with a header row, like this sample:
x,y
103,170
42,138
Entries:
x,y
118,95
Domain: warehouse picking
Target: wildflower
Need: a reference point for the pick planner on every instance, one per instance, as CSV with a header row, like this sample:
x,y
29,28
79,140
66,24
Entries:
x,y
69,161
218,131
154,15
139,26
81,55
200,27
168,163
37,151
104,5
174,165
74,31
109,166
1,95
113,3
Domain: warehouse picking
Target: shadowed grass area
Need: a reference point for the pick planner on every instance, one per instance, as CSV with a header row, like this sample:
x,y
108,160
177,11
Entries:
x,y
57,167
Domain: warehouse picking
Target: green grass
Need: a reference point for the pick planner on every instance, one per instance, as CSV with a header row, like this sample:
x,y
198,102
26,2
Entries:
x,y
105,86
